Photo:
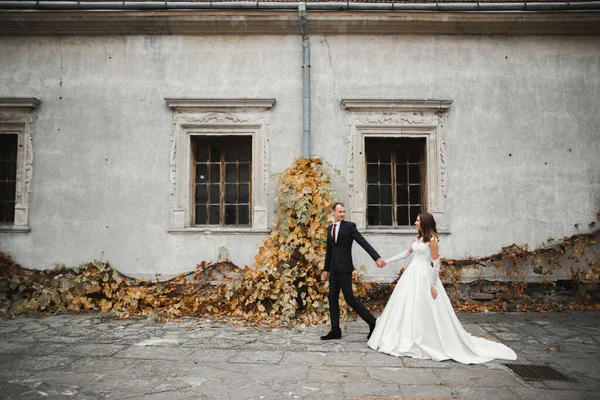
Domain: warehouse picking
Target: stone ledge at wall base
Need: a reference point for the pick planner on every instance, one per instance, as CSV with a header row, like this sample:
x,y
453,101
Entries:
x,y
513,293
563,291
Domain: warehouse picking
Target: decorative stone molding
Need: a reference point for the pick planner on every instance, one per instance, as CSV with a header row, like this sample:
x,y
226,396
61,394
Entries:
x,y
397,118
218,117
16,118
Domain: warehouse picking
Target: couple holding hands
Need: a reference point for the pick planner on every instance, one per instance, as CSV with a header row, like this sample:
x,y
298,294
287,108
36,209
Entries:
x,y
418,321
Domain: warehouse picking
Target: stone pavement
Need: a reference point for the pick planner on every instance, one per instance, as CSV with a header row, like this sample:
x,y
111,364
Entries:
x,y
81,357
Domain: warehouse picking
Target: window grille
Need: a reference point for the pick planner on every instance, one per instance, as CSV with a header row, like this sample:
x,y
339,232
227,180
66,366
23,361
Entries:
x,y
8,176
222,184
396,176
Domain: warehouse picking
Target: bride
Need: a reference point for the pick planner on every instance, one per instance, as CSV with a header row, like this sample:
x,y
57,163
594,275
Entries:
x,y
418,321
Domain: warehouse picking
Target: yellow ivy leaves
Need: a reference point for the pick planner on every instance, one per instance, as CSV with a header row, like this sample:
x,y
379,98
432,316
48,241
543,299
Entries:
x,y
283,285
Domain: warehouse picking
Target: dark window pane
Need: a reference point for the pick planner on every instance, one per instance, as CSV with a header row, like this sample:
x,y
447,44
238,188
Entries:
x,y
402,214
415,194
202,153
386,194
415,173
7,212
201,215
243,218
402,194
230,193
202,194
230,215
372,173
215,173
386,215
201,173
232,153
414,156
215,194
414,213
215,152
385,156
401,173
246,151
373,215
244,192
244,173
230,173
214,215
385,173
4,187
372,194
372,156
401,153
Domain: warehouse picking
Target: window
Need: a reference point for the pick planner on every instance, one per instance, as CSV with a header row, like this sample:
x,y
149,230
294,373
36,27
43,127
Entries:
x,y
219,165
222,182
16,162
8,177
396,177
396,162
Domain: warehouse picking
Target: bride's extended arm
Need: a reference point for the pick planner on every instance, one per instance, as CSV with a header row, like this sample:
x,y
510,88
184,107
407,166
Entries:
x,y
400,256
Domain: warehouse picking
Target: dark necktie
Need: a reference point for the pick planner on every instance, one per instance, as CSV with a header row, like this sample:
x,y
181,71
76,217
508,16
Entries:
x,y
333,233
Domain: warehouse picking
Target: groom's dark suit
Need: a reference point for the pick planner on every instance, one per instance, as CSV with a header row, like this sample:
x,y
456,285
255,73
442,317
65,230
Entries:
x,y
339,265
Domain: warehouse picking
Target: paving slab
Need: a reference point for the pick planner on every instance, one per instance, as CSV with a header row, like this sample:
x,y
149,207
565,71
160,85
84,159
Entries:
x,y
85,357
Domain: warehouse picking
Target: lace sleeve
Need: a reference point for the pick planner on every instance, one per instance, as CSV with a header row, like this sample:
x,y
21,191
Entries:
x,y
435,272
397,257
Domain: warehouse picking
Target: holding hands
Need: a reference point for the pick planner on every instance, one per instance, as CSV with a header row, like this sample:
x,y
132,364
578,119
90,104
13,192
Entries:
x,y
380,262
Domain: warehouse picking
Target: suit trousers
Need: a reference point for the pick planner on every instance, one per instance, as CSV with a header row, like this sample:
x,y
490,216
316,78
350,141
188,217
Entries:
x,y
343,281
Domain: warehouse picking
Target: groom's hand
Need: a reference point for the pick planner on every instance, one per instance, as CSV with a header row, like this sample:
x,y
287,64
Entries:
x,y
380,262
325,276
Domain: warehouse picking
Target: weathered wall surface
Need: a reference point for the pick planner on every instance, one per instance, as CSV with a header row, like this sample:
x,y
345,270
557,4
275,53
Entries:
x,y
522,142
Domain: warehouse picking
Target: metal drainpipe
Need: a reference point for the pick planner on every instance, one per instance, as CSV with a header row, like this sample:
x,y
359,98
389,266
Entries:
x,y
305,79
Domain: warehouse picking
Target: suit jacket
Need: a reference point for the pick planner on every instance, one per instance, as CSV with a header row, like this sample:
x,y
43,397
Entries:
x,y
338,256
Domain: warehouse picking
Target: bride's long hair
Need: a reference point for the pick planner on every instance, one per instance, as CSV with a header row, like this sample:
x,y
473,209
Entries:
x,y
428,229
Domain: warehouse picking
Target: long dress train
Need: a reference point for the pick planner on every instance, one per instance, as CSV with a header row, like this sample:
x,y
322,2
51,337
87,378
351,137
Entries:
x,y
413,324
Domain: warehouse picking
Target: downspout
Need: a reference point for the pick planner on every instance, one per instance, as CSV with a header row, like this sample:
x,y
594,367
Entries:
x,y
305,79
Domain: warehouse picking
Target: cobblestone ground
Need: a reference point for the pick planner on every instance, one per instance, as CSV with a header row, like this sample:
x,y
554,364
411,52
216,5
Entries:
x,y
81,357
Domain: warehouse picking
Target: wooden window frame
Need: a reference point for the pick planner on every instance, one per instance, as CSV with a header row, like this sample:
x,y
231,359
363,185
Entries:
x,y
222,180
394,182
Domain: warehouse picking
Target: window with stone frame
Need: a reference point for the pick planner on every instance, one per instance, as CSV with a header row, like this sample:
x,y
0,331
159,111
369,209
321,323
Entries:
x,y
222,180
16,161
396,163
9,143
219,165
396,180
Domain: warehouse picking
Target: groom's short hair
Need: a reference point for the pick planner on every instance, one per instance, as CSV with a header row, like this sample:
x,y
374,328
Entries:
x,y
333,207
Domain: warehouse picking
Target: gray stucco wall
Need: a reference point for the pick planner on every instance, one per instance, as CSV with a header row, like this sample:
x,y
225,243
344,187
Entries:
x,y
522,141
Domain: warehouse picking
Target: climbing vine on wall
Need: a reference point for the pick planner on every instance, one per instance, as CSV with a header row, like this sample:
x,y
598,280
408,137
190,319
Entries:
x,y
284,285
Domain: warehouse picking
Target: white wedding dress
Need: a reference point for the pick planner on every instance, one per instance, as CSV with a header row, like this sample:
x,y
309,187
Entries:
x,y
413,324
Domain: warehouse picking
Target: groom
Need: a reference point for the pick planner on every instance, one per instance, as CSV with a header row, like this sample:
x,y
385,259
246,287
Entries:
x,y
339,267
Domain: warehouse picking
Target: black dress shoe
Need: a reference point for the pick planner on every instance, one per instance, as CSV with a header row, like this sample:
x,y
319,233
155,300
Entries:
x,y
371,329
333,334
